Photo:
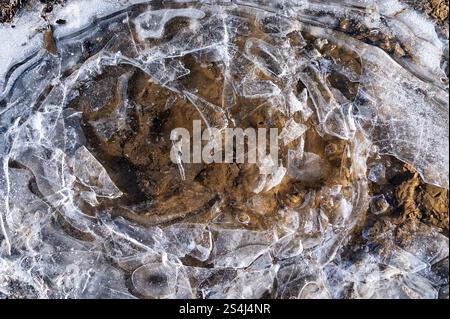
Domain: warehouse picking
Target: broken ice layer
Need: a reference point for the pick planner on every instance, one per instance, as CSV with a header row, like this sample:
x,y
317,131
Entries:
x,y
151,24
91,201
292,131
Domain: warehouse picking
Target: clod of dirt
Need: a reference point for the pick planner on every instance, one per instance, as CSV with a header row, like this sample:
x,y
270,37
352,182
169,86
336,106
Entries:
x,y
8,9
49,41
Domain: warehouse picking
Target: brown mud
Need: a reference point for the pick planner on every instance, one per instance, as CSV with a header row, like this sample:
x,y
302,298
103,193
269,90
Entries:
x,y
128,129
411,200
138,155
404,212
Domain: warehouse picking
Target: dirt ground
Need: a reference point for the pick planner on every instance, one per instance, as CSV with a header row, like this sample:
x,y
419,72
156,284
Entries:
x,y
9,8
404,200
156,192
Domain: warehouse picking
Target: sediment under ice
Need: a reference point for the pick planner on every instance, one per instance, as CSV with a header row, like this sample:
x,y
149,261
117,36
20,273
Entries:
x,y
67,227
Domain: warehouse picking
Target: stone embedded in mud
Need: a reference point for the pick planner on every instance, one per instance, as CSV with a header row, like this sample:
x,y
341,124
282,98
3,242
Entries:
x,y
377,173
87,112
379,205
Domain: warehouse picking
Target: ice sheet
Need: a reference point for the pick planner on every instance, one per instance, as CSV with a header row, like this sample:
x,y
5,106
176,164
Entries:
x,y
57,240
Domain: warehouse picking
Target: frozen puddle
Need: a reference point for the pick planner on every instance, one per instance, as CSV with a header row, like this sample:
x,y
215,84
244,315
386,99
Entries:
x,y
92,207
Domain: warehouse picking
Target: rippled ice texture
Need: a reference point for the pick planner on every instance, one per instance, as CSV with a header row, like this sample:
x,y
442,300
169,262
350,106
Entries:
x,y
401,109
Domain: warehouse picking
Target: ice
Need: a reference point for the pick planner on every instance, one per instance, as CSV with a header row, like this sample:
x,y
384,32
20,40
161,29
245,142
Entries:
x,y
267,165
213,115
93,175
336,207
259,89
237,283
373,281
299,104
192,240
404,261
250,284
22,41
61,234
271,174
300,278
238,249
156,280
377,173
412,129
151,24
177,157
413,28
266,57
241,257
436,248
310,167
395,132
292,131
288,246
275,178
80,14
340,122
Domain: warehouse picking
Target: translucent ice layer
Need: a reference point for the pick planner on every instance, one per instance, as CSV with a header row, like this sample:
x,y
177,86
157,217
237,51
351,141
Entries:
x,y
90,207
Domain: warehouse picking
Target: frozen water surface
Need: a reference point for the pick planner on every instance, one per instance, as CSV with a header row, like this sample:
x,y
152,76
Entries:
x,y
70,229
